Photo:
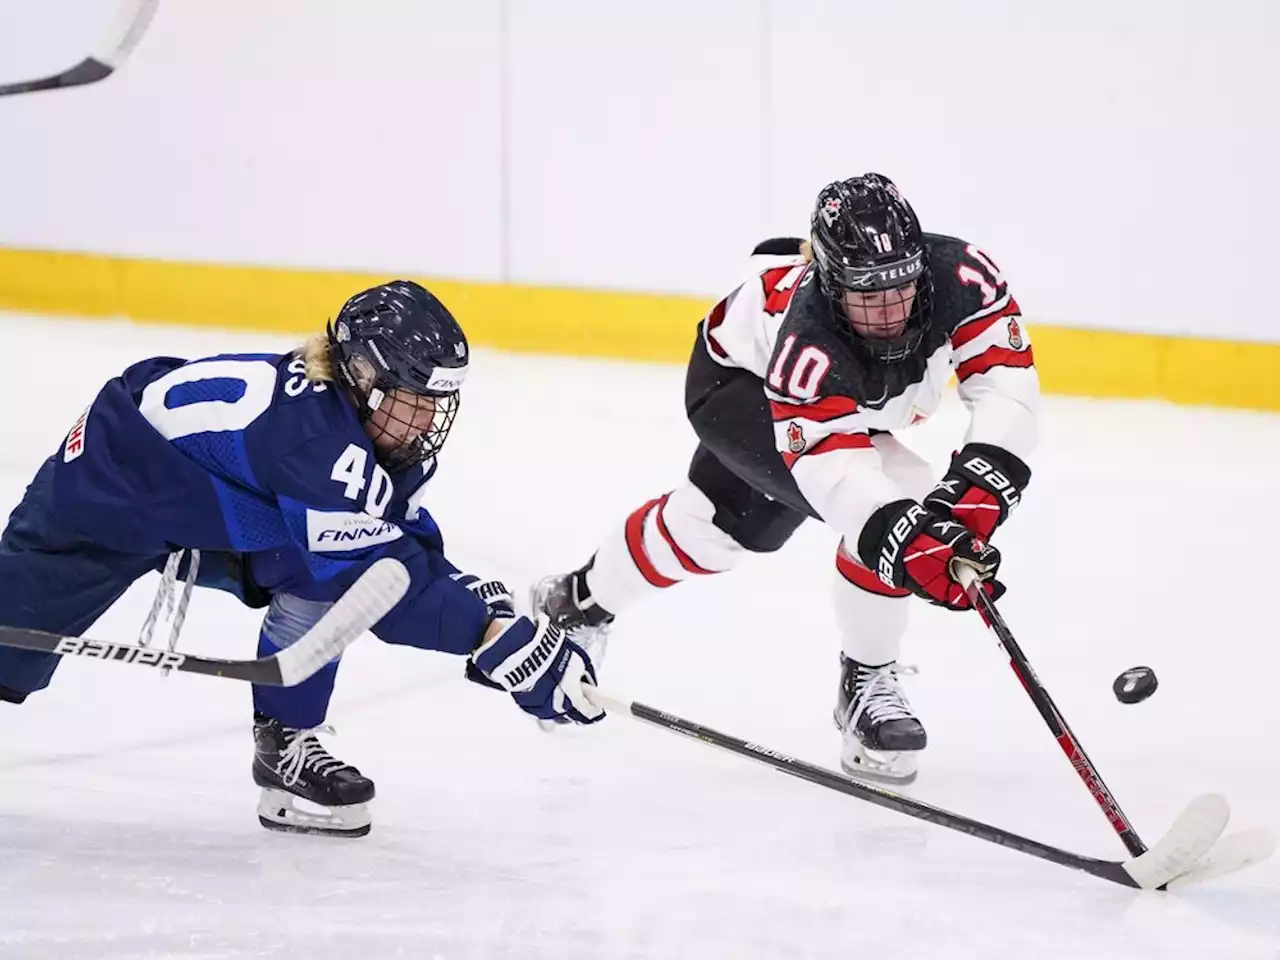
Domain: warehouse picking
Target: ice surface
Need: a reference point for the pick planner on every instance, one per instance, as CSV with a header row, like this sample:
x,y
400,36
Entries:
x,y
127,826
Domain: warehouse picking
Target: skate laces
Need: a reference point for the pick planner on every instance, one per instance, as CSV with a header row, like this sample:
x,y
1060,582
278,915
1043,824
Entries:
x,y
175,613
878,694
304,751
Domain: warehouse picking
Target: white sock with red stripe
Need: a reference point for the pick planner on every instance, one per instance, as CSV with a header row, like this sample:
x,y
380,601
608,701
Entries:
x,y
664,541
872,617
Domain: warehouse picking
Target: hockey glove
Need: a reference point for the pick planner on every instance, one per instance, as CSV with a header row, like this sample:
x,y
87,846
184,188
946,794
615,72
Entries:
x,y
494,593
543,670
983,485
908,546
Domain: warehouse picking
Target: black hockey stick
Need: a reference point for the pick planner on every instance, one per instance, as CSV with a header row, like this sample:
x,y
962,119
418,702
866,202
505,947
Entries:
x,y
1180,851
129,27
1049,712
364,604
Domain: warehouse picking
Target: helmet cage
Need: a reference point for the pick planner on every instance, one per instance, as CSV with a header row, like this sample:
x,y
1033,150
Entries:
x,y
373,384
866,239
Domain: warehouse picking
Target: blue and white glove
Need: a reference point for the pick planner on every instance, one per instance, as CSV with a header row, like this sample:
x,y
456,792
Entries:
x,y
544,671
494,593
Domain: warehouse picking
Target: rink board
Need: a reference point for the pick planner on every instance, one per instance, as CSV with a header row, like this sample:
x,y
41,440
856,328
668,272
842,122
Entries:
x,y
591,323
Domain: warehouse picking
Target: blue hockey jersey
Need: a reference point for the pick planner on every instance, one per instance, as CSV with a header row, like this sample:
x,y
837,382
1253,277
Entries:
x,y
242,453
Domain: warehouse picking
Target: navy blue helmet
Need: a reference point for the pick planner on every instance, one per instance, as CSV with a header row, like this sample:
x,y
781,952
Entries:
x,y
869,250
403,357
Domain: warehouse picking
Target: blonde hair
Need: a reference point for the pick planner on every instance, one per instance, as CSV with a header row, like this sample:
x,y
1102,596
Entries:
x,y
319,364
806,251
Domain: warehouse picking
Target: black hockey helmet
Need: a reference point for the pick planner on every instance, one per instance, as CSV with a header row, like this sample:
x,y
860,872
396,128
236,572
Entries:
x,y
397,345
866,240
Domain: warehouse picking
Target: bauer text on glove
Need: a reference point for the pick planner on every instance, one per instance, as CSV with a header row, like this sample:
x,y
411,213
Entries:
x,y
907,545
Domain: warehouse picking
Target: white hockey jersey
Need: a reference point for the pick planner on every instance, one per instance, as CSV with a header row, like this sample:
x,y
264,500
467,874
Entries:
x,y
827,400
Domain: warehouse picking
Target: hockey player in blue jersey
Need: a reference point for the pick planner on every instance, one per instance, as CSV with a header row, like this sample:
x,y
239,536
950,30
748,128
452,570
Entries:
x,y
290,475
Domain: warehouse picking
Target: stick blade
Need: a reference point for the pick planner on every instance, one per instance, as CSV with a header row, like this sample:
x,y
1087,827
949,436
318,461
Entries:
x,y
130,24
1188,841
1231,853
366,602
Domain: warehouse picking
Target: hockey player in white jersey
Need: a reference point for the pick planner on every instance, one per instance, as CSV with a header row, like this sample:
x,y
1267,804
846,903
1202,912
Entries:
x,y
799,379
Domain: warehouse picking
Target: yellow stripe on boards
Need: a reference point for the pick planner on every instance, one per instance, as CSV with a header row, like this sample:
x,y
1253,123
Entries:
x,y
591,323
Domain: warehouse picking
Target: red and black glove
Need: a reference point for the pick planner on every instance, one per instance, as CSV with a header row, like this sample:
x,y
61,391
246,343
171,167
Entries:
x,y
984,484
907,545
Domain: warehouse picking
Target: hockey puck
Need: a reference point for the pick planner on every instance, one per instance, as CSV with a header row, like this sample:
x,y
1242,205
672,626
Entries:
x,y
1135,685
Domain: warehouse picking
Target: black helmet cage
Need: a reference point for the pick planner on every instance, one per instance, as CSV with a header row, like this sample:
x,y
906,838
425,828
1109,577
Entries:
x,y
399,350
866,239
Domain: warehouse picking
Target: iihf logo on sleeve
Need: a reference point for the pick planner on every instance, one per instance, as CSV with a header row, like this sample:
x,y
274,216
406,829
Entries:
x,y
75,439
1015,334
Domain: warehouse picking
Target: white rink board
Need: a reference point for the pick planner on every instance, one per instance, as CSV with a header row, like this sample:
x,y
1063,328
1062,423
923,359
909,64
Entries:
x,y
1116,160
127,812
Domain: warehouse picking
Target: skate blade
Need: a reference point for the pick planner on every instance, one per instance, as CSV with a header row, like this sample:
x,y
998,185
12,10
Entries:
x,y
278,810
594,640
882,766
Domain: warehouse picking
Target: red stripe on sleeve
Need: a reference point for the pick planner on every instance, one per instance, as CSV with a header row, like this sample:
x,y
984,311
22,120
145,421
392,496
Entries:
x,y
828,408
994,357
976,328
837,441
714,319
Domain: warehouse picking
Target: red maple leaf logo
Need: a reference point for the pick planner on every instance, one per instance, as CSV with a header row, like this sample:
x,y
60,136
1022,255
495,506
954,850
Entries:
x,y
795,438
1015,334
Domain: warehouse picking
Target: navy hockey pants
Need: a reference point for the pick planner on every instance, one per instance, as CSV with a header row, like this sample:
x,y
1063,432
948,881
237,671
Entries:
x,y
54,578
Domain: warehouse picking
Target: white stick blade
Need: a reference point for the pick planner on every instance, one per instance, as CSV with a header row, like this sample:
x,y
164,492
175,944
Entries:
x,y
130,24
606,702
1231,853
1190,838
368,600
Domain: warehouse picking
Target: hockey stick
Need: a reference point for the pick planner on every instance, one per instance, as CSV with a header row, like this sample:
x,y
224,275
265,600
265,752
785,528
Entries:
x,y
1057,724
1233,853
1178,853
128,29
366,602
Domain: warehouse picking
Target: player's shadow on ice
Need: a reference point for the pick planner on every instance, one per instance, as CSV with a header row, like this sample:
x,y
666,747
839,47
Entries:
x,y
439,675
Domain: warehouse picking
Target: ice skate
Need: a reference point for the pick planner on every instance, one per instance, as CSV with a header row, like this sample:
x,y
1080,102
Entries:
x,y
566,600
290,765
882,738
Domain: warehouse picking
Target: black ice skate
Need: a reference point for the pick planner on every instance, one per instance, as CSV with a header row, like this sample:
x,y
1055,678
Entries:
x,y
882,738
291,764
567,602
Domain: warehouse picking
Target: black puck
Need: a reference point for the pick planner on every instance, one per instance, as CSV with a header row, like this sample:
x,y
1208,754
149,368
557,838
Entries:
x,y
1135,685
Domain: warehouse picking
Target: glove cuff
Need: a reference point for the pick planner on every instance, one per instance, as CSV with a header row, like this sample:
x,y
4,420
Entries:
x,y
885,533
997,458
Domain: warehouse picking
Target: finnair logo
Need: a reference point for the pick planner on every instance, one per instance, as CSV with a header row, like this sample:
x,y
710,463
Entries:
x,y
447,379
338,531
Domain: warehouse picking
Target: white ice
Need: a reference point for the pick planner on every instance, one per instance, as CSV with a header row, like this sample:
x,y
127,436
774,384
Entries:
x,y
1148,536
